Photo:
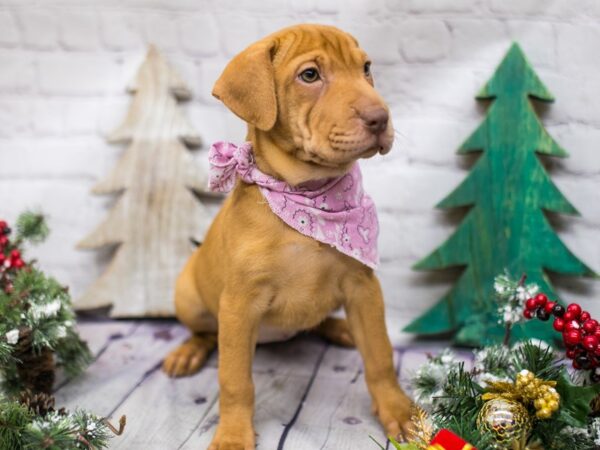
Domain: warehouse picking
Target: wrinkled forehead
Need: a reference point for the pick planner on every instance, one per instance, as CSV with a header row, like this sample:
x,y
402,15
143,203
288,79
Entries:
x,y
326,45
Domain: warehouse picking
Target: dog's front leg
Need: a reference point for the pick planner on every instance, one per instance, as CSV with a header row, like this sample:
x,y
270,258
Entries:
x,y
238,329
366,317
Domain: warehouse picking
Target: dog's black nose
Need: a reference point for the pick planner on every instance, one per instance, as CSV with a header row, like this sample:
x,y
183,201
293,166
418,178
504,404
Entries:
x,y
375,119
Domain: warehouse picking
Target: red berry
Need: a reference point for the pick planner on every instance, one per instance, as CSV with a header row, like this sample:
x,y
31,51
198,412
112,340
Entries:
x,y
572,337
569,315
571,353
575,309
597,333
530,304
590,325
597,351
590,343
528,313
19,263
3,225
14,254
2,257
541,299
585,316
548,307
3,240
559,324
572,325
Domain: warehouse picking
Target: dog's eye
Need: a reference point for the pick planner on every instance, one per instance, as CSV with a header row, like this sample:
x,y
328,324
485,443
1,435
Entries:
x,y
309,75
367,68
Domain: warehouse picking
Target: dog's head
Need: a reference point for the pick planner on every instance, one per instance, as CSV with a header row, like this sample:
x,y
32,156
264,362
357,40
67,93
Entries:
x,y
308,91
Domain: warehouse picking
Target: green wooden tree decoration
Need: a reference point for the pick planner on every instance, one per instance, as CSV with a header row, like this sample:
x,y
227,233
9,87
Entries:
x,y
507,192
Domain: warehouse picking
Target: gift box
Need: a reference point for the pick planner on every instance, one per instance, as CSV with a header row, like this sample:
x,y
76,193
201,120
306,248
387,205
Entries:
x,y
446,440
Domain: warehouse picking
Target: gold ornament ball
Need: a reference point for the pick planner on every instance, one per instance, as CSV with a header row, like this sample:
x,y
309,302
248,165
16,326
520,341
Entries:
x,y
507,420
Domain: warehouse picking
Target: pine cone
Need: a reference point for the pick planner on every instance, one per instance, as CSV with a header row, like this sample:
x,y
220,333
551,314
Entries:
x,y
36,370
595,405
24,343
39,403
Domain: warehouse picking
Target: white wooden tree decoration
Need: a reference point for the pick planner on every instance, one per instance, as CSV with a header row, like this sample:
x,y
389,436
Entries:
x,y
157,215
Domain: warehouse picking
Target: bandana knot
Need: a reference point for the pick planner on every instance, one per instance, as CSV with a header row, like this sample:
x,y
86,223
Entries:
x,y
227,161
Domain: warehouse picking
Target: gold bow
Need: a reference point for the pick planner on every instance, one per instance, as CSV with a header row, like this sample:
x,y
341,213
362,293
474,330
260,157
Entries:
x,y
527,389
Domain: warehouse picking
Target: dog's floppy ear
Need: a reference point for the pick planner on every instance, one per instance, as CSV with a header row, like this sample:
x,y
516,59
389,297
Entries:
x,y
247,86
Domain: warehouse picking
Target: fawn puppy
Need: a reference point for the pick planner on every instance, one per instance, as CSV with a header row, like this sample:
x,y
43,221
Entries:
x,y
296,239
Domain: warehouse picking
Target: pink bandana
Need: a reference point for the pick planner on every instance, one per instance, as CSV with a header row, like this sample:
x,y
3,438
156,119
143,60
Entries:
x,y
334,211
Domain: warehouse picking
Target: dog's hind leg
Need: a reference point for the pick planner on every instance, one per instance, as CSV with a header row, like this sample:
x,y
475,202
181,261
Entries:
x,y
336,331
190,356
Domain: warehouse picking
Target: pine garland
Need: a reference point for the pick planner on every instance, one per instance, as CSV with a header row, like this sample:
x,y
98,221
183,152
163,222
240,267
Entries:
x,y
14,419
41,306
454,397
31,227
36,311
37,335
21,429
459,401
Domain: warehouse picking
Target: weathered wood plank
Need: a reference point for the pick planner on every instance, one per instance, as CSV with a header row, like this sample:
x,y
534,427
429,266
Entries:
x,y
314,391
120,369
163,412
337,412
98,335
281,374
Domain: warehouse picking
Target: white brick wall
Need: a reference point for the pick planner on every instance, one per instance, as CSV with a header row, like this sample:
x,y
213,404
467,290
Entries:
x,y
64,66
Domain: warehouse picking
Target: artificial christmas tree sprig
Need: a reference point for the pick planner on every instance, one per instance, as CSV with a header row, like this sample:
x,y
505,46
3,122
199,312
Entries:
x,y
519,397
37,323
508,192
37,335
22,429
456,400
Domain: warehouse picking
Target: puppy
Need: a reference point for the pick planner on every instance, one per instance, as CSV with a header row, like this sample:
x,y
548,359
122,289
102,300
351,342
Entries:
x,y
307,95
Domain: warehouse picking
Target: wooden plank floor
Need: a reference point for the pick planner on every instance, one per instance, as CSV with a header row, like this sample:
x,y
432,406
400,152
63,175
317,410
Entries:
x,y
309,395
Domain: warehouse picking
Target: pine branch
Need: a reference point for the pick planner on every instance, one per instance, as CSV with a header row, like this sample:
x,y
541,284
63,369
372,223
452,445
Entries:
x,y
73,354
14,418
430,379
461,396
537,358
496,360
31,227
554,435
5,353
20,429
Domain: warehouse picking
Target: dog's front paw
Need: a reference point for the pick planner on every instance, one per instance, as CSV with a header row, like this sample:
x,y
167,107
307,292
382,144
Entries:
x,y
233,438
394,410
